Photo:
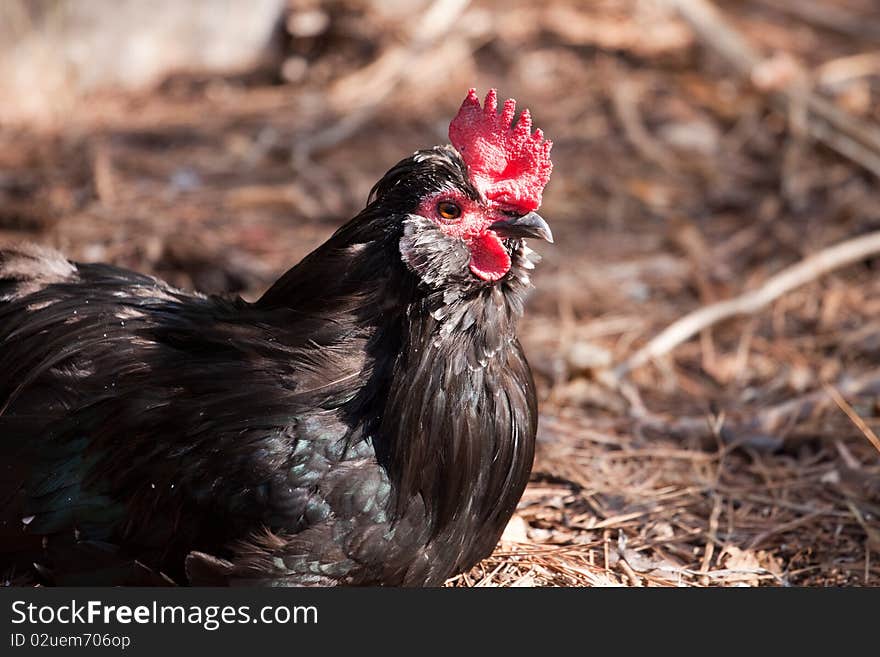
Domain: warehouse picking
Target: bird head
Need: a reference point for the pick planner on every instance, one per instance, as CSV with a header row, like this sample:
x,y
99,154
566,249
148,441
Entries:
x,y
468,206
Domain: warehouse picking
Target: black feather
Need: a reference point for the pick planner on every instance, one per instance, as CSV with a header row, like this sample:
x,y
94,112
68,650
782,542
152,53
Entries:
x,y
369,420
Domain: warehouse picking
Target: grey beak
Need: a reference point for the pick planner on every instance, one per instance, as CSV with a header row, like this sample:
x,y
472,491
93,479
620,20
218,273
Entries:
x,y
528,225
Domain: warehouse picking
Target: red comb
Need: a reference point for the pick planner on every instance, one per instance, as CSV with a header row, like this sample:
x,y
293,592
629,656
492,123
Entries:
x,y
507,162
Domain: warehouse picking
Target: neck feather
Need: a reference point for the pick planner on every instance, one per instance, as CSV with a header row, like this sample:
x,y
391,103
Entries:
x,y
446,395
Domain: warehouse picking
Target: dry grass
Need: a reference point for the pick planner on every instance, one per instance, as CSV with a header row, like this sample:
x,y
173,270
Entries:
x,y
744,456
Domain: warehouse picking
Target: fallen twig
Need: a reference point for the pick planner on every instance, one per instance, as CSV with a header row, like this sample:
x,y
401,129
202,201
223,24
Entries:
x,y
808,269
758,540
852,415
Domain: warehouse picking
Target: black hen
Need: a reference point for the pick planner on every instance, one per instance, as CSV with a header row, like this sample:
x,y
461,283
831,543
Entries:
x,y
370,420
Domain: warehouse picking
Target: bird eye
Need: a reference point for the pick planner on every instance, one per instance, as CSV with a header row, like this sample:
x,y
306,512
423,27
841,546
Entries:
x,y
448,210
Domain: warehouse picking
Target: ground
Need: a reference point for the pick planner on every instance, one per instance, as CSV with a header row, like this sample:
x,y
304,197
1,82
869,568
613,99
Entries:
x,y
743,456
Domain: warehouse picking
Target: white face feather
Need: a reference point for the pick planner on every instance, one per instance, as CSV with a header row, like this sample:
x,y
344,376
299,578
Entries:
x,y
434,257
458,301
440,260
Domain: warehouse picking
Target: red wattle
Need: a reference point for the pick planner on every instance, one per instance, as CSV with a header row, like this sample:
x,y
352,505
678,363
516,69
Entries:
x,y
489,259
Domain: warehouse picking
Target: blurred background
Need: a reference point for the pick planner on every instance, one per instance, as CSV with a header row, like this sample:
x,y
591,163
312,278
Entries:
x,y
700,150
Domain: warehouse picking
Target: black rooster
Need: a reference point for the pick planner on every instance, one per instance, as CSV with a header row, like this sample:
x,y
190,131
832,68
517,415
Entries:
x,y
370,420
